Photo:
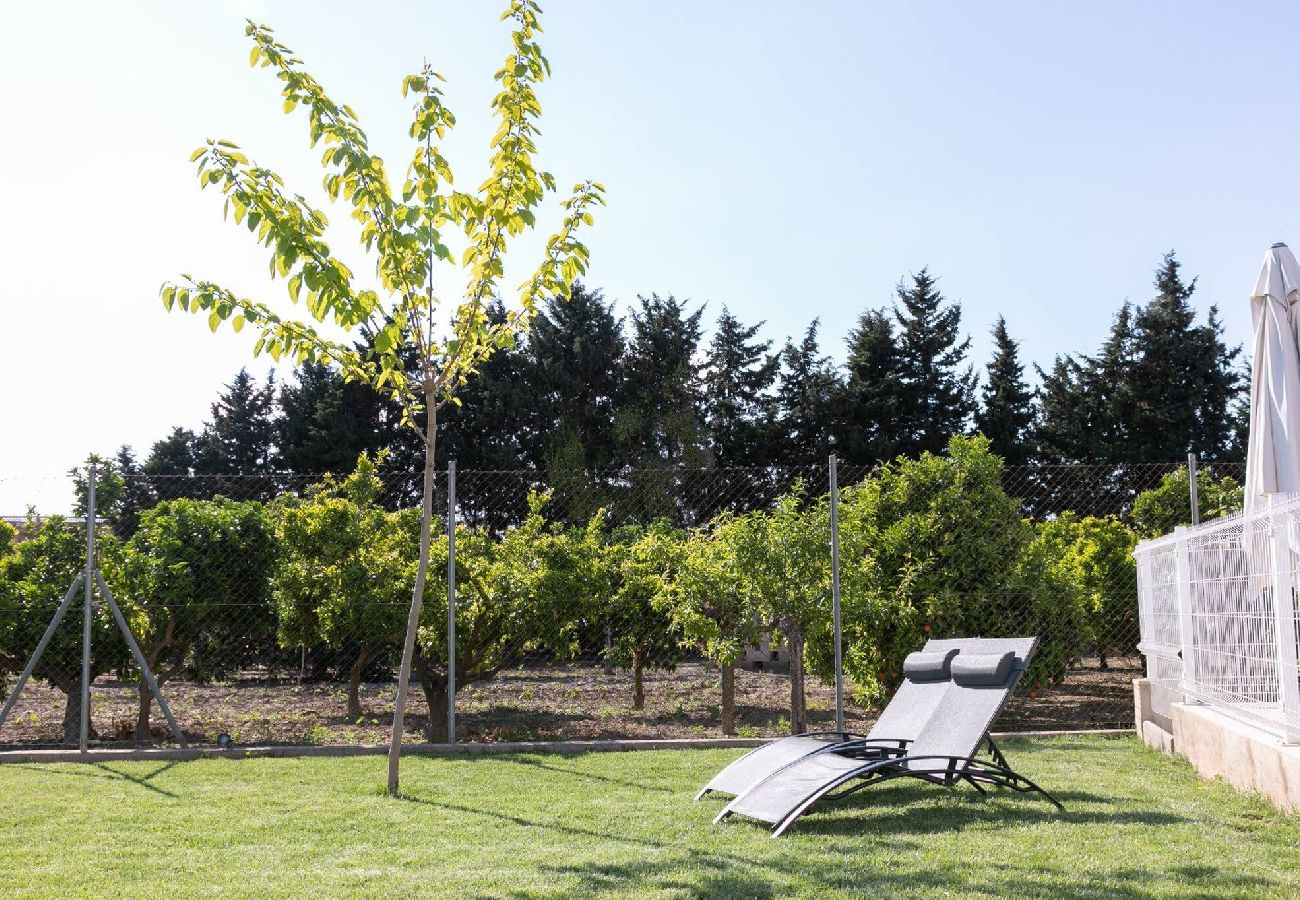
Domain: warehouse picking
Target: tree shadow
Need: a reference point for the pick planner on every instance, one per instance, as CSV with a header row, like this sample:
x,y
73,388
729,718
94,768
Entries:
x,y
110,774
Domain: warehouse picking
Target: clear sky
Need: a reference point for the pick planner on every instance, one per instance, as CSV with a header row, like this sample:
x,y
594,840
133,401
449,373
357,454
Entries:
x,y
787,160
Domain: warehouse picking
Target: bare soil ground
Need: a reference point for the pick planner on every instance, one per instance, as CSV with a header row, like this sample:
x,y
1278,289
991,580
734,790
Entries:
x,y
572,702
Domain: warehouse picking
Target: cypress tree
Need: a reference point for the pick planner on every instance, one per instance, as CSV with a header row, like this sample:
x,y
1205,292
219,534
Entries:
x,y
325,422
169,467
1007,414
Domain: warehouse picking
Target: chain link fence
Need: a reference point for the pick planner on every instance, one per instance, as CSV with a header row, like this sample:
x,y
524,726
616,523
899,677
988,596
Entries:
x,y
648,602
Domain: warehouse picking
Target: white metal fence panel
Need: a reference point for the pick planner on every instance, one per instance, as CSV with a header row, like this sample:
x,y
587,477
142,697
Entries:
x,y
1218,613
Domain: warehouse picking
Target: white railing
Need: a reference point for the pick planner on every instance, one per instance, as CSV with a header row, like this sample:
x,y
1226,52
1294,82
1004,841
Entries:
x,y
1218,611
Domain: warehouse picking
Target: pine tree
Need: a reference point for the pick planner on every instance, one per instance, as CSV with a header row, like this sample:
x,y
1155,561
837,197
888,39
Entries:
x,y
737,383
1184,379
1007,413
325,423
809,397
658,419
136,496
238,442
936,396
576,349
870,406
1087,405
169,467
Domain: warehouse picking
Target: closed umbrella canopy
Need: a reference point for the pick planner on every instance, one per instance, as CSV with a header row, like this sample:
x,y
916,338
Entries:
x,y
1273,455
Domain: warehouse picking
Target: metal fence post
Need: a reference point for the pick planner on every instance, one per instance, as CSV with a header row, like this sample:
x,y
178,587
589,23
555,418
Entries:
x,y
1186,631
1194,488
835,592
88,609
1284,622
451,601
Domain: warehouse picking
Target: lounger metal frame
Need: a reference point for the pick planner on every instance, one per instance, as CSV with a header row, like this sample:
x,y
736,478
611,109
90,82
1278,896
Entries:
x,y
947,771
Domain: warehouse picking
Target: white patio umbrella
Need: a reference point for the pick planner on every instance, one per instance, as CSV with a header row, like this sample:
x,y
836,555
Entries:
x,y
1273,454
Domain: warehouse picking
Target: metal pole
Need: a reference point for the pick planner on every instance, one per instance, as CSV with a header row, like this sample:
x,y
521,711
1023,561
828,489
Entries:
x,y
835,593
40,648
139,659
1195,498
87,610
451,601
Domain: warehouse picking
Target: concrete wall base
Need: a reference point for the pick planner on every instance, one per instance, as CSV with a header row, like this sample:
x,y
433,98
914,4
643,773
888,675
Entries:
x,y
1155,730
1251,760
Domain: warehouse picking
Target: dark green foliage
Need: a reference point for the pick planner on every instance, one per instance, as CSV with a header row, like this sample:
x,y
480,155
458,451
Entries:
x,y
737,403
1184,379
810,395
935,393
1007,413
238,442
576,348
658,418
869,425
325,422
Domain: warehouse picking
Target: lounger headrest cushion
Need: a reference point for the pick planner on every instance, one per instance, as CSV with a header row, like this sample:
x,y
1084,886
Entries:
x,y
983,669
932,666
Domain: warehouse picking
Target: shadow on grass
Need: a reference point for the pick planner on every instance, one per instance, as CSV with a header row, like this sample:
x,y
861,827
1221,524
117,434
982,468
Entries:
x,y
537,763
109,773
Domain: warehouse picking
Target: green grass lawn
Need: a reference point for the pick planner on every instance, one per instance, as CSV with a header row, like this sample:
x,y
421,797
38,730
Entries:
x,y
1137,824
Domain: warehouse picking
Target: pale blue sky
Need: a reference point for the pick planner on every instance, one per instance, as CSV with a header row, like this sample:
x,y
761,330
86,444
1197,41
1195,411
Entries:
x,y
789,160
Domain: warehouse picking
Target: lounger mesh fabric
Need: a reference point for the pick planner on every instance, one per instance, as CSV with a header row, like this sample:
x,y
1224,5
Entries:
x,y
957,727
900,722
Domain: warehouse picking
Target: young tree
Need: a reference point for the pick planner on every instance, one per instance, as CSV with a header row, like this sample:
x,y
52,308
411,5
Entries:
x,y
33,579
1006,415
710,606
808,398
643,564
199,573
936,396
782,563
399,318
345,564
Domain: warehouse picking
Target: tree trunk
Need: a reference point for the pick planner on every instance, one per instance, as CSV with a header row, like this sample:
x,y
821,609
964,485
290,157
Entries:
x,y
143,734
72,711
798,704
638,678
354,681
435,696
417,596
729,698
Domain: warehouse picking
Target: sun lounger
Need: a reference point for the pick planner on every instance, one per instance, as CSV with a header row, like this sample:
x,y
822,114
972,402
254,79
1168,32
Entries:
x,y
944,752
925,678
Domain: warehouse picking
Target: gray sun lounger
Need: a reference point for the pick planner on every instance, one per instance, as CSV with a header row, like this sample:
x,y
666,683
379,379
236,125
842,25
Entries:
x,y
925,678
943,753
